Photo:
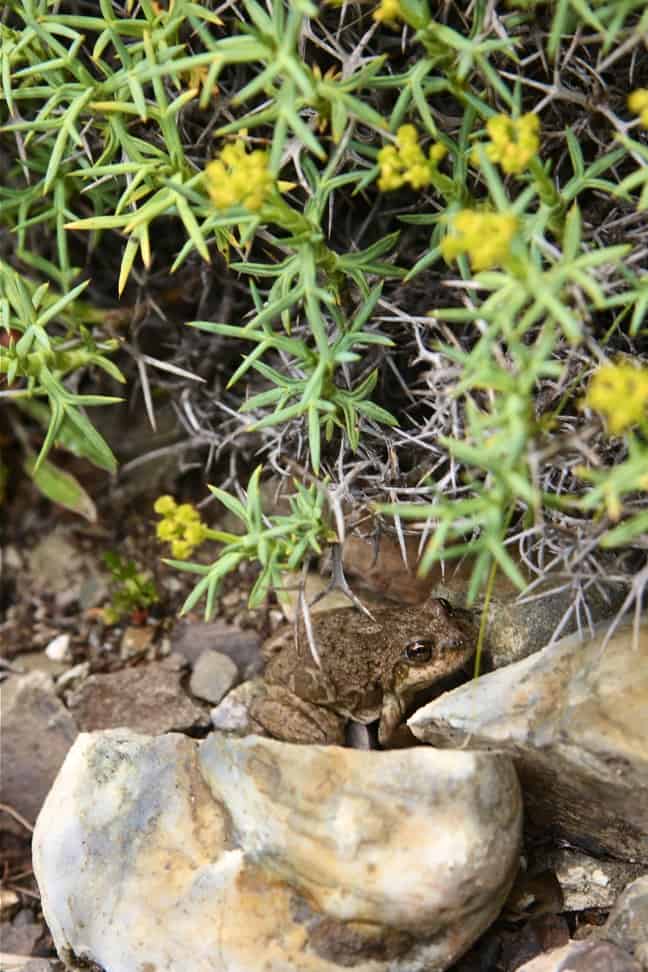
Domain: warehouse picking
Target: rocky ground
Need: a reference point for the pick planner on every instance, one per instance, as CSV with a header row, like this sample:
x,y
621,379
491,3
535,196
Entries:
x,y
567,721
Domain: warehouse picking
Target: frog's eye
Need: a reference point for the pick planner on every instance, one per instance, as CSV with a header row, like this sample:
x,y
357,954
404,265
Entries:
x,y
446,605
419,651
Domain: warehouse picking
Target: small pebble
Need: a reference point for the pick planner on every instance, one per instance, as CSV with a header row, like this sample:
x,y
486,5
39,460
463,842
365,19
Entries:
x,y
59,649
213,676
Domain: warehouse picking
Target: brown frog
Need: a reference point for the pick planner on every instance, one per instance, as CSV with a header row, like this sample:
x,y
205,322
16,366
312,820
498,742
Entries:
x,y
369,669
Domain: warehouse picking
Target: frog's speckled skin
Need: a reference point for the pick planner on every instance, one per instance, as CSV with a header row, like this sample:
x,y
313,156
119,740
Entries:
x,y
365,671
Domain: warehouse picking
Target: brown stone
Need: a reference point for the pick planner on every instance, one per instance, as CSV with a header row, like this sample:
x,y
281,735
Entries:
x,y
145,698
37,733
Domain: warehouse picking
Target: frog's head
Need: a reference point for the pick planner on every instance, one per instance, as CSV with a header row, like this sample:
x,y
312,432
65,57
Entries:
x,y
439,640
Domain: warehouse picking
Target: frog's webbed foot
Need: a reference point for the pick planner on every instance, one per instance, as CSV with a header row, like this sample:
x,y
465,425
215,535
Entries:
x,y
285,716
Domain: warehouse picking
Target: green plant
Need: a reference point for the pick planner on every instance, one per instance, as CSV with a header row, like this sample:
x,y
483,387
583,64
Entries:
x,y
463,149
133,590
278,543
37,361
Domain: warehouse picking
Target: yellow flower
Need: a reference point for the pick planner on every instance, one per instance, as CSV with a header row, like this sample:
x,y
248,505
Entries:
x,y
388,12
620,393
164,505
165,530
485,237
181,549
513,142
195,533
638,103
239,178
180,526
186,514
406,162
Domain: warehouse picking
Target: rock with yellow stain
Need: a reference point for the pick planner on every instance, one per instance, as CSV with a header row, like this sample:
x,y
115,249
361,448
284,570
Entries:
x,y
158,854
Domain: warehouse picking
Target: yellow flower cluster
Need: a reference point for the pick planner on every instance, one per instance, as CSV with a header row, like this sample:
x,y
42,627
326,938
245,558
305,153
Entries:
x,y
485,237
239,178
513,142
620,393
638,103
406,162
387,12
180,526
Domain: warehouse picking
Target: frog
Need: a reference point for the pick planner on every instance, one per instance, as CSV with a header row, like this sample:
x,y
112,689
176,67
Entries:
x,y
370,668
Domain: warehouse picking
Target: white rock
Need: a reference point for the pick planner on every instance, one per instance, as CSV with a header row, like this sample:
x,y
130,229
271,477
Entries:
x,y
586,882
247,855
412,839
59,648
72,676
233,713
574,717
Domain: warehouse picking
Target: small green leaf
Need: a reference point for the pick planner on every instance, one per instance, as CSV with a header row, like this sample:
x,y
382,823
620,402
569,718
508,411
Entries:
x,y
60,487
68,437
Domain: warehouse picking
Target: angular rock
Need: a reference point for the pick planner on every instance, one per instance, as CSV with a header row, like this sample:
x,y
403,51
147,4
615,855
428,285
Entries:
x,y
586,882
583,957
72,677
37,732
213,676
242,645
144,698
21,935
574,718
233,713
250,854
627,924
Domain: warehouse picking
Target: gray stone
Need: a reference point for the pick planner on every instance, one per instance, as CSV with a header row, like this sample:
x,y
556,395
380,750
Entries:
x,y
250,854
242,645
213,676
517,627
58,566
574,718
627,924
585,956
37,732
22,934
145,698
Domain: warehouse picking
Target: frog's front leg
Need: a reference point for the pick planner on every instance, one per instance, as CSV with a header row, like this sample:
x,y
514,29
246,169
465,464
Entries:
x,y
391,717
286,716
